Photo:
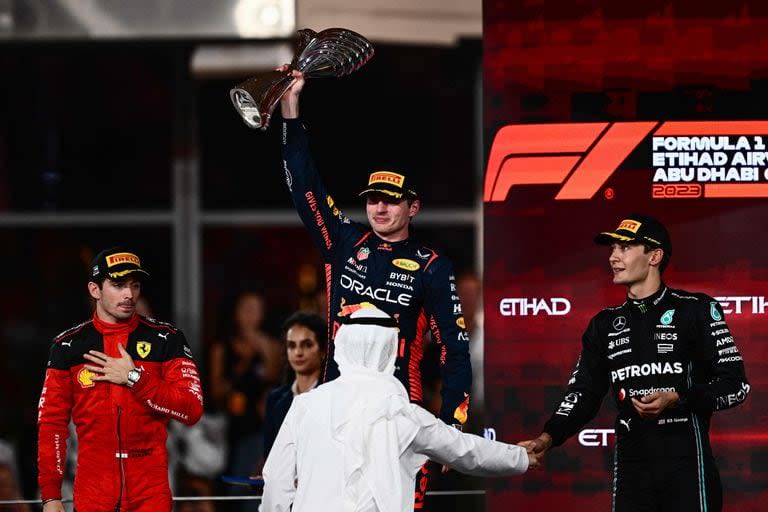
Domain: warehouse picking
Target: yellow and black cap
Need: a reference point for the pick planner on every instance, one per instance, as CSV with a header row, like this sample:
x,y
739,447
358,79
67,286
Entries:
x,y
640,229
116,263
391,183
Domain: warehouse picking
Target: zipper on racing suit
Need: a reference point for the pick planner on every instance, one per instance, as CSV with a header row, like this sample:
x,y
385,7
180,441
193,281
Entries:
x,y
120,457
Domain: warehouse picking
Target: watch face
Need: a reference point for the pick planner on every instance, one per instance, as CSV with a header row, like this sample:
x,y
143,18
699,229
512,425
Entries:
x,y
133,376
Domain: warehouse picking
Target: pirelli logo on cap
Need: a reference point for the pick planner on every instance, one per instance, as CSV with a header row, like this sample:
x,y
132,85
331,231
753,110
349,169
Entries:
x,y
629,225
123,257
386,177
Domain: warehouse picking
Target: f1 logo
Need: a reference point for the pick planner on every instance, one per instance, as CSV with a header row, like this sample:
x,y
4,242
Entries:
x,y
581,156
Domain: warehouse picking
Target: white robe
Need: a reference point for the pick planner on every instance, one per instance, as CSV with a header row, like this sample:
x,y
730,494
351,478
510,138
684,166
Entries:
x,y
356,444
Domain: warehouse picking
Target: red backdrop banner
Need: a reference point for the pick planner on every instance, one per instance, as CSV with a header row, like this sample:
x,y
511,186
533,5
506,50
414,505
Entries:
x,y
594,110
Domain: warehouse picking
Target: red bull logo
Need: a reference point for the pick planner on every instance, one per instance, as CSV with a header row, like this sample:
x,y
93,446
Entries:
x,y
461,411
346,310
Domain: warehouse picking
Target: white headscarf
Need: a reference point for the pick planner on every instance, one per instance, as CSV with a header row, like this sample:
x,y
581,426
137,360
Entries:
x,y
364,405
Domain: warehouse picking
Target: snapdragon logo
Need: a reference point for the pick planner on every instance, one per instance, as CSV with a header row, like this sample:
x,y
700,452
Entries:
x,y
525,306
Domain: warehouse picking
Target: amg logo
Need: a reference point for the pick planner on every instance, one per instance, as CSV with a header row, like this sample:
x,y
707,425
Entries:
x,y
724,341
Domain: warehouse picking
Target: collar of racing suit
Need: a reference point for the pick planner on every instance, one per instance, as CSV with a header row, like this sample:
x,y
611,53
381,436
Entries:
x,y
648,303
110,328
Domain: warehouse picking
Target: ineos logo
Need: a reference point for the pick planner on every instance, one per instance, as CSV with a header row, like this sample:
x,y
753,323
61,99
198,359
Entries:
x,y
619,323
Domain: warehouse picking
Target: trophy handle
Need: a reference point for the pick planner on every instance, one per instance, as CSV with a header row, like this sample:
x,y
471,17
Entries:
x,y
256,98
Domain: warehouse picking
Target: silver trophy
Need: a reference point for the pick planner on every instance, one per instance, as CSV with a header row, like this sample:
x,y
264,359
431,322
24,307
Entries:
x,y
331,52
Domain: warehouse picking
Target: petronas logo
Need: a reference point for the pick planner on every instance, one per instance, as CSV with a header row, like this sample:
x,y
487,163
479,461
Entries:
x,y
666,318
714,312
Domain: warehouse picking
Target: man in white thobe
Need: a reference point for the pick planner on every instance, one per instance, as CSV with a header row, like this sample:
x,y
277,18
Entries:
x,y
356,443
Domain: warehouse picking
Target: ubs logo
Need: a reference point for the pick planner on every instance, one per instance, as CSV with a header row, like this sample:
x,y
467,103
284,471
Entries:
x,y
619,323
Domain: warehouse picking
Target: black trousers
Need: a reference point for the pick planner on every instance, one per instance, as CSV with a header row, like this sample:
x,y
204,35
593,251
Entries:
x,y
687,484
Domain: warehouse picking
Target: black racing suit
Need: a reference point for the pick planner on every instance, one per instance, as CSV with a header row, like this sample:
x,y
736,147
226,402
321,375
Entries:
x,y
411,282
672,341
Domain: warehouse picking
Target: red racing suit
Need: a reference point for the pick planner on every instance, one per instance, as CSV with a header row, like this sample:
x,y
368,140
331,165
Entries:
x,y
122,460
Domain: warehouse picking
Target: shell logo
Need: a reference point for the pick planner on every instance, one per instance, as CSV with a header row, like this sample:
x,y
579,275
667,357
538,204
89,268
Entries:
x,y
85,378
406,264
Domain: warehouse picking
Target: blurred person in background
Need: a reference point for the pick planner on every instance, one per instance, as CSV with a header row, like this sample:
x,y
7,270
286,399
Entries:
x,y
121,378
191,486
384,264
357,443
244,364
469,288
305,347
9,483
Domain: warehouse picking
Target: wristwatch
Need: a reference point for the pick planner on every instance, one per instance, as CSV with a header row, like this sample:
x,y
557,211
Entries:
x,y
133,377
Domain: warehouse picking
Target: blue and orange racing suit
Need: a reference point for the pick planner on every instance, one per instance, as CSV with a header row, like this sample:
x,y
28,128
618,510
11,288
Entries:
x,y
412,283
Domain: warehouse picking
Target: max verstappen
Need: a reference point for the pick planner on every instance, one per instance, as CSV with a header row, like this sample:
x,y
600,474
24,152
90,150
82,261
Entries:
x,y
670,361
120,378
383,264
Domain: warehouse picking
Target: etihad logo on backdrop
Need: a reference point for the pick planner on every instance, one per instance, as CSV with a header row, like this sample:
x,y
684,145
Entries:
x,y
757,305
525,306
710,159
595,436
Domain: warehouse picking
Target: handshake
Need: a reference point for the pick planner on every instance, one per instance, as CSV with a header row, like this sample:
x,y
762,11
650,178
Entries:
x,y
536,448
